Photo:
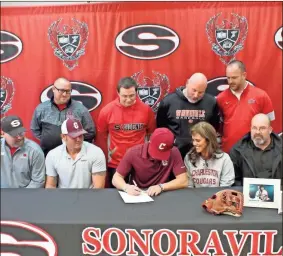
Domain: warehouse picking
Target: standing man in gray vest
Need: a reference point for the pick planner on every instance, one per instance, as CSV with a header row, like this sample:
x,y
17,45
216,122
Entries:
x,y
49,116
22,160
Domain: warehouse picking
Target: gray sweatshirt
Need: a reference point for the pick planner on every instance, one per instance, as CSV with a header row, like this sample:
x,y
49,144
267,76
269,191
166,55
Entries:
x,y
215,172
25,169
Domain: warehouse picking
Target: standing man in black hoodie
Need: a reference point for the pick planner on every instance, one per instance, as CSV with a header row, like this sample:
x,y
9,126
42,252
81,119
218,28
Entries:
x,y
188,105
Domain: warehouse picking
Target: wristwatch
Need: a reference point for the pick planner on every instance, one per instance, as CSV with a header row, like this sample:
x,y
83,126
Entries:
x,y
161,186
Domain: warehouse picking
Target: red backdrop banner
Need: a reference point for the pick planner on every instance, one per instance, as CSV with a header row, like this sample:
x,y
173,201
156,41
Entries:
x,y
160,44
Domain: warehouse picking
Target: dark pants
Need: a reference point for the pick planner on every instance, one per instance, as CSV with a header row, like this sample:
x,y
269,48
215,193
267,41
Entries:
x,y
109,176
45,151
184,150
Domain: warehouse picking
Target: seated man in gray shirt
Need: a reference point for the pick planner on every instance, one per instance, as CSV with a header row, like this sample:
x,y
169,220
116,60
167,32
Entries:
x,y
22,160
76,163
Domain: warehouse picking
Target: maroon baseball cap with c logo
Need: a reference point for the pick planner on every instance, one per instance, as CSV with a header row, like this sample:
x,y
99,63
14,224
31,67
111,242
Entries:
x,y
73,128
161,143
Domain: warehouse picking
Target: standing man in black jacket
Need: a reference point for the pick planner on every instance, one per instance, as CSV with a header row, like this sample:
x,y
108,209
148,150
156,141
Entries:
x,y
49,116
259,153
188,105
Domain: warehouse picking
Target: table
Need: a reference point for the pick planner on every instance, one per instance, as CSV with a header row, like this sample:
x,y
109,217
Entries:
x,y
100,223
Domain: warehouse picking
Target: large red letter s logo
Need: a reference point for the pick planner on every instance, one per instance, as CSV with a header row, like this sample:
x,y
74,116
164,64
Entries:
x,y
47,243
147,42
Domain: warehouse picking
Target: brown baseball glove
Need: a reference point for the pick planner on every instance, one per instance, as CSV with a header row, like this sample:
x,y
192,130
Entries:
x,y
226,201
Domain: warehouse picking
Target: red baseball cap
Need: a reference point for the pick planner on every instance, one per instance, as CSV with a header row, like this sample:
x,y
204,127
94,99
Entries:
x,y
161,143
73,128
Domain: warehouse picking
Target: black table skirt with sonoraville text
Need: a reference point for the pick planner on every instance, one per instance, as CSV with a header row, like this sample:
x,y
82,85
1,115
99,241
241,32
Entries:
x,y
98,222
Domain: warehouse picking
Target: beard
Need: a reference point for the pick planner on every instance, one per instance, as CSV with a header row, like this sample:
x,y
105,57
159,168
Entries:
x,y
194,100
258,141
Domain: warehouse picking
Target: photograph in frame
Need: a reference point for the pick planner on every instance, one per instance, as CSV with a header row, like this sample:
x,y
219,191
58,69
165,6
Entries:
x,y
262,193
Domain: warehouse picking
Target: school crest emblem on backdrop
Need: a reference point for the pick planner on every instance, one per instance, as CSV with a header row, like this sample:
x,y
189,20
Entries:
x,y
68,41
228,37
152,91
6,94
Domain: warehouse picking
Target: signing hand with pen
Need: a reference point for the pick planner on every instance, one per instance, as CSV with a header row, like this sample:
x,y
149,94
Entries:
x,y
133,190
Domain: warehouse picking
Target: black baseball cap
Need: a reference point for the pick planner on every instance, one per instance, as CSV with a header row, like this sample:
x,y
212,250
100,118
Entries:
x,y
13,125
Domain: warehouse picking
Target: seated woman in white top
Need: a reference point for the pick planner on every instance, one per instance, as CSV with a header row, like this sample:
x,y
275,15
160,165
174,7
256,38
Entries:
x,y
207,165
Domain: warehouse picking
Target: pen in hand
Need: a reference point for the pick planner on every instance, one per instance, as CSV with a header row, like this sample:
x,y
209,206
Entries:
x,y
142,191
133,189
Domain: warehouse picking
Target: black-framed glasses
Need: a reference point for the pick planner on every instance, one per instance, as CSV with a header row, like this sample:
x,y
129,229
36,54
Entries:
x,y
63,90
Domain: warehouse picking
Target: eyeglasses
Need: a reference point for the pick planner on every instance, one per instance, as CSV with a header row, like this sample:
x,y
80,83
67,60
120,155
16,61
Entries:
x,y
260,129
21,134
62,91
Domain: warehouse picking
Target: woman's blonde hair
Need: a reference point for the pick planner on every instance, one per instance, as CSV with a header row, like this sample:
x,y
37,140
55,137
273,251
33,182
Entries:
x,y
208,132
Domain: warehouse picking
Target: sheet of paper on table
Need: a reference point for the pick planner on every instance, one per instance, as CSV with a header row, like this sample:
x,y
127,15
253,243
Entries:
x,y
129,199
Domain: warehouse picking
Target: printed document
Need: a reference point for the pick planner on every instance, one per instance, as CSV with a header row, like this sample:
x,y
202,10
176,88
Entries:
x,y
129,199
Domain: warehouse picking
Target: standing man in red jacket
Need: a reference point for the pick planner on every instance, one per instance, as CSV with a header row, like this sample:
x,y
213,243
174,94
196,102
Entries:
x,y
123,123
239,104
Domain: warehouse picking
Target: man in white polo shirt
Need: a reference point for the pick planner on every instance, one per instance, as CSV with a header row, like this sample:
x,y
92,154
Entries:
x,y
76,163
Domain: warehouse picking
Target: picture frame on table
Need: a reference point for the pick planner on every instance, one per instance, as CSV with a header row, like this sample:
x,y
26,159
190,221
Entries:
x,y
280,205
262,193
